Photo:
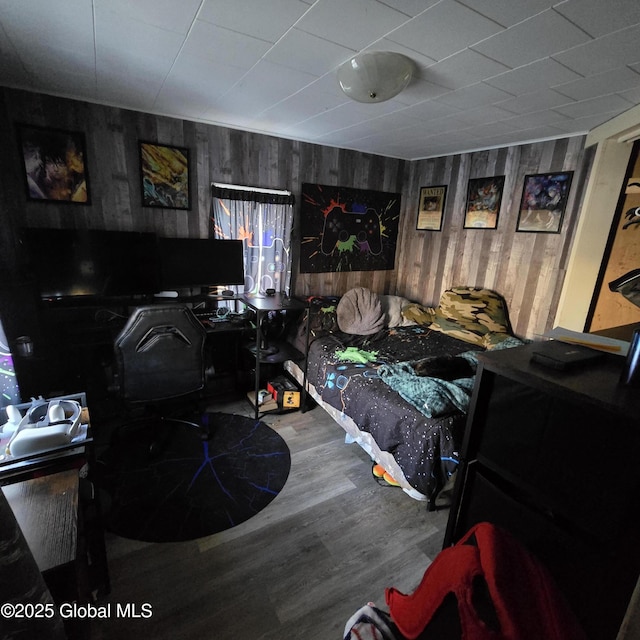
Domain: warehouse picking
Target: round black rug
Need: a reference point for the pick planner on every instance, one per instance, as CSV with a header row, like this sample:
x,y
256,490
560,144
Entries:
x,y
167,482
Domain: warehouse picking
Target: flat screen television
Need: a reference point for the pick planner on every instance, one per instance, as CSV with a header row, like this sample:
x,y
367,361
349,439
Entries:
x,y
87,262
188,262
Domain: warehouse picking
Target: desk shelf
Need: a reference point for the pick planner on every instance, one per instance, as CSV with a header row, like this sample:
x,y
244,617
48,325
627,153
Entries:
x,y
278,303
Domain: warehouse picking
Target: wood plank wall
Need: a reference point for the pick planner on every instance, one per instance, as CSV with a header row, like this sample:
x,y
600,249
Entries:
x,y
526,268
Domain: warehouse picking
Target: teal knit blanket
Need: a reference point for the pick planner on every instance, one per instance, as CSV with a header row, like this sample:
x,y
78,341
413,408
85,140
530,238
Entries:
x,y
432,396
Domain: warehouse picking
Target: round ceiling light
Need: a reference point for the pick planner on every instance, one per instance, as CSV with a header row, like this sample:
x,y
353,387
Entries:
x,y
375,76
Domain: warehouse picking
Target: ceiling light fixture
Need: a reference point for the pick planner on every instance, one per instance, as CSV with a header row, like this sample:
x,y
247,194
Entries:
x,y
375,76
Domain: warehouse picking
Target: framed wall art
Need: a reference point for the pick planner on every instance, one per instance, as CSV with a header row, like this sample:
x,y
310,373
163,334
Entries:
x,y
164,176
54,163
484,197
543,203
431,208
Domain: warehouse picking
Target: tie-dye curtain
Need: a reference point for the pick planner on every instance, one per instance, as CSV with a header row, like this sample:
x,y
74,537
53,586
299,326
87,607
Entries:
x,y
263,221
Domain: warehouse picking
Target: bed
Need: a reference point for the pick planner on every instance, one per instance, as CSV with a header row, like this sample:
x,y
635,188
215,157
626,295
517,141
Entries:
x,y
398,376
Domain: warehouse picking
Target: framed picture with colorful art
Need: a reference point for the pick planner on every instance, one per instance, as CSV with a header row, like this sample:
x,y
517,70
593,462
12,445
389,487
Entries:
x,y
543,202
54,163
164,176
484,197
431,208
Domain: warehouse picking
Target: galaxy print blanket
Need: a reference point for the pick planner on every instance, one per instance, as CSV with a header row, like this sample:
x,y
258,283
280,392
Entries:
x,y
353,375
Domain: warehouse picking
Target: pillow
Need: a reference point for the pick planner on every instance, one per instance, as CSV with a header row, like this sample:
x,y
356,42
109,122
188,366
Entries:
x,y
360,312
470,313
392,308
418,314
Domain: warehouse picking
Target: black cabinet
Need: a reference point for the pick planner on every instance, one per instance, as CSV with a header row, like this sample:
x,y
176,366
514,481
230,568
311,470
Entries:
x,y
553,457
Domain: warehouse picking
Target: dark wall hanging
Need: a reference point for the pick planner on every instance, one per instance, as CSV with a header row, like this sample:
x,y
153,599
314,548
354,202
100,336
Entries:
x,y
54,163
346,229
484,197
164,176
544,200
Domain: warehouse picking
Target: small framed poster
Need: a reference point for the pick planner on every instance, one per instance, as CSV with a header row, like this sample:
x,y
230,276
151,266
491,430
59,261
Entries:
x,y
54,163
484,197
543,203
164,176
431,208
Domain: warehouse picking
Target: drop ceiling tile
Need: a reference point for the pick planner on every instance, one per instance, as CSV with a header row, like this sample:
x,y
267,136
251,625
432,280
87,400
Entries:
x,y
507,12
126,42
262,87
48,24
419,60
354,24
444,29
224,46
301,106
475,95
341,117
536,119
604,104
183,89
44,61
492,129
612,81
306,52
409,7
594,106
600,18
463,69
585,123
264,20
138,93
535,101
484,115
63,83
172,16
632,95
611,51
428,110
546,72
536,38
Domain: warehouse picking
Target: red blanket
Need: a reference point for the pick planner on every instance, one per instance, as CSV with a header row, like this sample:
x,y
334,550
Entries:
x,y
523,601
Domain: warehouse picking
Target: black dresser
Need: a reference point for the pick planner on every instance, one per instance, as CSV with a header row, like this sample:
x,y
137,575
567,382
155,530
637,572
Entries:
x,y
554,457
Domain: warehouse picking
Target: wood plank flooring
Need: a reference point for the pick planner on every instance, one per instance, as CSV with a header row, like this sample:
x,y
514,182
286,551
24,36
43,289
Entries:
x,y
328,544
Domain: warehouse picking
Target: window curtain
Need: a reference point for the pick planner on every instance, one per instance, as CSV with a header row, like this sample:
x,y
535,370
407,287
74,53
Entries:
x,y
263,221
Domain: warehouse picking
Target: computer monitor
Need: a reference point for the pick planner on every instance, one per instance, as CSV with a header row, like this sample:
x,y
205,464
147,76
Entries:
x,y
189,262
71,263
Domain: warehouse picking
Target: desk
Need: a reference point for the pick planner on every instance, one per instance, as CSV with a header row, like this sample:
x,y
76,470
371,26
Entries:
x,y
47,511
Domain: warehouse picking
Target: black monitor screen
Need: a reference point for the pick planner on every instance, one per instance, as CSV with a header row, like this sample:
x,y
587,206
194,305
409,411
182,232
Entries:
x,y
85,262
190,262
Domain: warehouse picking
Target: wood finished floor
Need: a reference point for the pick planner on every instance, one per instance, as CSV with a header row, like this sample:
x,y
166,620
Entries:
x,y
329,543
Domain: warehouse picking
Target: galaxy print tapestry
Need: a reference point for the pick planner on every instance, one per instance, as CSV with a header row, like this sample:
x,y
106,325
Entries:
x,y
346,229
